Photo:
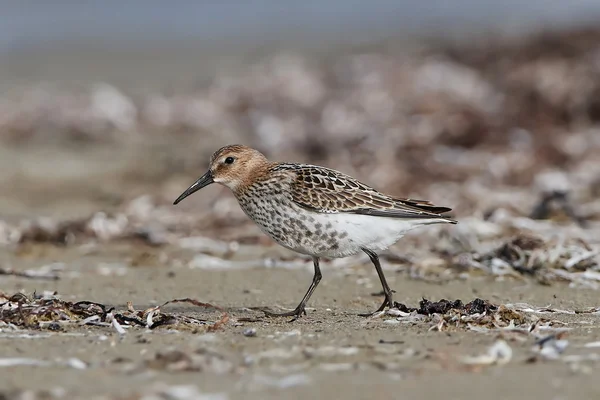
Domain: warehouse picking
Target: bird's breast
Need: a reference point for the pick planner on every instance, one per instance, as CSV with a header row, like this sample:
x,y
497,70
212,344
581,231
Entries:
x,y
320,234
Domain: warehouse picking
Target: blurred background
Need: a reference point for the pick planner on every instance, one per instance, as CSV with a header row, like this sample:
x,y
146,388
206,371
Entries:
x,y
109,110
115,108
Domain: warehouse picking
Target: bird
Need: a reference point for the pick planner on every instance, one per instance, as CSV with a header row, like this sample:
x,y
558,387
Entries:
x,y
316,211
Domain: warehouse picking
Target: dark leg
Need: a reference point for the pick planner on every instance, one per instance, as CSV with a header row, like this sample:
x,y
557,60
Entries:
x,y
386,288
300,309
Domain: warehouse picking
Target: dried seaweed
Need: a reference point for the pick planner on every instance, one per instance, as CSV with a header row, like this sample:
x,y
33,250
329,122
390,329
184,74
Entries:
x,y
426,307
478,315
52,313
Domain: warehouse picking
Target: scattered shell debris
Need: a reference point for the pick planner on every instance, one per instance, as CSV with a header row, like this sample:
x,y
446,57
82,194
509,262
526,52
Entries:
x,y
74,363
50,271
551,347
162,391
499,353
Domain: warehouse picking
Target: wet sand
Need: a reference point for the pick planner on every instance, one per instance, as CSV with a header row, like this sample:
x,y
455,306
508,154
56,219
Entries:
x,y
329,352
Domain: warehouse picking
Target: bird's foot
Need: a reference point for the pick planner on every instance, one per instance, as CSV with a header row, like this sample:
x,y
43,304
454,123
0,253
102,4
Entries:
x,y
387,302
296,313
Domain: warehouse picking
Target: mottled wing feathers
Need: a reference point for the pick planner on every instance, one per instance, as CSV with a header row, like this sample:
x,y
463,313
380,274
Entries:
x,y
423,205
328,191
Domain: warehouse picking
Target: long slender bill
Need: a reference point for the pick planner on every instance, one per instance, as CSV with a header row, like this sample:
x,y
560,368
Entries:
x,y
203,181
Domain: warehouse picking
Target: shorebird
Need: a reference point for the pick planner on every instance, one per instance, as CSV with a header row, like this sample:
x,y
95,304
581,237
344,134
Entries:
x,y
316,211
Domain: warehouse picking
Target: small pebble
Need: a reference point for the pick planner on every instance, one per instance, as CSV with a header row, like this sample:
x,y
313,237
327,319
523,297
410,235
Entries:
x,y
249,332
54,326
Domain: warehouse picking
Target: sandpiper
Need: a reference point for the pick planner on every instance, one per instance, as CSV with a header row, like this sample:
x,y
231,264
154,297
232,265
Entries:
x,y
315,210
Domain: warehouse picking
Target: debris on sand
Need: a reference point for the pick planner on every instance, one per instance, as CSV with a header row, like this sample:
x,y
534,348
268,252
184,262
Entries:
x,y
50,312
249,332
200,360
110,318
499,353
74,363
478,315
551,347
444,312
49,271
13,362
160,391
460,253
555,202
522,256
443,306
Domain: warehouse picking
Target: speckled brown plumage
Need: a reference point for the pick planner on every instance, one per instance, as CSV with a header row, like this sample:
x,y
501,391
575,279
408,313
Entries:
x,y
326,190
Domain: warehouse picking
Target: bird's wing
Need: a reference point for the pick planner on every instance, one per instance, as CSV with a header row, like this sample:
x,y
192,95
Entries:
x,y
325,190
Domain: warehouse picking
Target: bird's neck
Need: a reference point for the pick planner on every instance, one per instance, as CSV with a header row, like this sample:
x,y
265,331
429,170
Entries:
x,y
257,176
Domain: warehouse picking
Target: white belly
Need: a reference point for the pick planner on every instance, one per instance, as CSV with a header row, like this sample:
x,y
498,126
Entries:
x,y
366,232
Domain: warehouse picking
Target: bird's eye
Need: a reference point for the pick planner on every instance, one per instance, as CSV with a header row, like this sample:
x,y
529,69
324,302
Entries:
x,y
229,160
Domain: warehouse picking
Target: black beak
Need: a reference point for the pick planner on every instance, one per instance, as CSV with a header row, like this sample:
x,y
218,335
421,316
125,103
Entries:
x,y
204,180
